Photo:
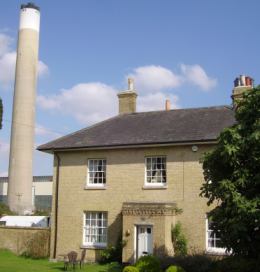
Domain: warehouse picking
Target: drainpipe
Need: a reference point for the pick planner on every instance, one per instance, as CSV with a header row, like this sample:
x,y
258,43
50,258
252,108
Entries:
x,y
56,204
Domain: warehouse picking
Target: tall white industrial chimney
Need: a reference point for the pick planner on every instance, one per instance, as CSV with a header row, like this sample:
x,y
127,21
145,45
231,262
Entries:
x,y
22,134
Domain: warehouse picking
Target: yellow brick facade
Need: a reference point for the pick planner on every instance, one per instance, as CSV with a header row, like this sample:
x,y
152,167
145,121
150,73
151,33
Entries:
x,y
125,177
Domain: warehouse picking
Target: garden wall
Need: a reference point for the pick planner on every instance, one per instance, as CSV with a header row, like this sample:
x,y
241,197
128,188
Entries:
x,y
24,239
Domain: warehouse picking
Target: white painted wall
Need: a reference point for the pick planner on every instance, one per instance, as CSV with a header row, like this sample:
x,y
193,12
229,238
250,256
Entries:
x,y
41,188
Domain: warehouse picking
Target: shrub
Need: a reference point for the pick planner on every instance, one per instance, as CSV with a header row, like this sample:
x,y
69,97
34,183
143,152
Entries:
x,y
4,209
148,264
113,253
38,246
190,263
236,264
130,268
108,255
174,268
179,241
41,213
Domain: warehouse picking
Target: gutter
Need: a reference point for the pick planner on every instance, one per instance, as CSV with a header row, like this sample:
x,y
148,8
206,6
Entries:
x,y
56,205
122,146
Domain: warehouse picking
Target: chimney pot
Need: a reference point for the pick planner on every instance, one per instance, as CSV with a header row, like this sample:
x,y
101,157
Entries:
x,y
241,84
130,84
167,105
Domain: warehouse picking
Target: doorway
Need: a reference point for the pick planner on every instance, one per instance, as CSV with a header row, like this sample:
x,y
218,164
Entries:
x,y
144,240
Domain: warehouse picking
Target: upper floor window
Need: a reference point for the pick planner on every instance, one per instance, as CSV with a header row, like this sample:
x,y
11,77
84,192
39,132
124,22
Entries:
x,y
95,229
213,239
155,170
96,172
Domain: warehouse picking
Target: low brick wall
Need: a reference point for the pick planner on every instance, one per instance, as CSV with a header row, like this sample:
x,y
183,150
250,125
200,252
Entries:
x,y
16,239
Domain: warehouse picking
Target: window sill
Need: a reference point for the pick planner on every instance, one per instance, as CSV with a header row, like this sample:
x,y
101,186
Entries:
x,y
216,252
155,187
93,247
95,187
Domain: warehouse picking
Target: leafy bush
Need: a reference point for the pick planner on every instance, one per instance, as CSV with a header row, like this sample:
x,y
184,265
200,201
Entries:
x,y
113,253
179,241
174,268
190,263
236,264
4,209
148,264
38,246
130,268
41,213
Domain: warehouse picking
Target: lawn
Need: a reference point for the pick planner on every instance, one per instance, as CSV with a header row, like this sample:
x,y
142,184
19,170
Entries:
x,y
12,263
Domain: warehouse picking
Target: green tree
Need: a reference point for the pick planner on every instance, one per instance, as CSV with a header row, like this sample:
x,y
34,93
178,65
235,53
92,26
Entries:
x,y
232,180
1,112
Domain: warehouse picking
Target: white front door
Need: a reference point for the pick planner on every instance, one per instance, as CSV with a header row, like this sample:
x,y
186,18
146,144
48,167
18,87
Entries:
x,y
144,240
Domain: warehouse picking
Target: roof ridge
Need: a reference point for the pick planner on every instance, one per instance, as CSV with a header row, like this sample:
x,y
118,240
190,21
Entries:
x,y
194,108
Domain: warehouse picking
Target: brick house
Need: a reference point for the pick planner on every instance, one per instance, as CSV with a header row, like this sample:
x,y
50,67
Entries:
x,y
127,176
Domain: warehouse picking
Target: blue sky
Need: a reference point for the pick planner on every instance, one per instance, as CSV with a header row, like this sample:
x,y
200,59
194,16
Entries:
x,y
187,51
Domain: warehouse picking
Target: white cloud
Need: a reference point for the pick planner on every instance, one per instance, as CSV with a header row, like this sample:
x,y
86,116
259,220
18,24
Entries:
x,y
196,75
154,78
5,43
156,101
89,103
46,132
7,68
42,69
92,102
86,102
8,61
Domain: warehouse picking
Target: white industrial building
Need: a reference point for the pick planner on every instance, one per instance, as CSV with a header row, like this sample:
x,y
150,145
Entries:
x,y
41,192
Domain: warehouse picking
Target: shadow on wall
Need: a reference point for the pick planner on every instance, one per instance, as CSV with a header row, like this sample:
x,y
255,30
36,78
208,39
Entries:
x,y
113,253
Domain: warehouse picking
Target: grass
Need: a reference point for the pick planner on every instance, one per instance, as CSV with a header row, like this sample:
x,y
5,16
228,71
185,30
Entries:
x,y
9,262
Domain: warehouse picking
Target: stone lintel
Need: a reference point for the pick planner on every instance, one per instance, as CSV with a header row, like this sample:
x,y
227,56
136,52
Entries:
x,y
146,208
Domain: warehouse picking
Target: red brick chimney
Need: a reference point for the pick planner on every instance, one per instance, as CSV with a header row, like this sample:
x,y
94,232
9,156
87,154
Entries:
x,y
241,84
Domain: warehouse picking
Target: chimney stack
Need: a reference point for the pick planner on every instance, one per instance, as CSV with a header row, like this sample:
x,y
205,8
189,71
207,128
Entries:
x,y
241,84
127,99
167,105
22,132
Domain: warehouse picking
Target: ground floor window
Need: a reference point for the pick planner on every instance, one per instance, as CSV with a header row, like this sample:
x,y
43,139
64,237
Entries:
x,y
95,229
213,241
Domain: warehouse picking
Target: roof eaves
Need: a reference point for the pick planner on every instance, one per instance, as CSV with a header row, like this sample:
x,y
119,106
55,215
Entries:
x,y
120,146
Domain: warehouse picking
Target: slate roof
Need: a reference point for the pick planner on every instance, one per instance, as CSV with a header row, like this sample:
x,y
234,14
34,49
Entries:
x,y
155,127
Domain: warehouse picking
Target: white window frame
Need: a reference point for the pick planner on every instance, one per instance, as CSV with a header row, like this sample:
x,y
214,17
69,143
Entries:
x,y
155,184
95,229
91,184
214,249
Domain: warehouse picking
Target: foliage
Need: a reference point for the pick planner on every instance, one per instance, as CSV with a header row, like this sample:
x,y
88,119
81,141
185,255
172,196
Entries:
x,y
190,263
130,268
236,264
179,241
232,178
148,263
41,213
38,246
113,253
9,262
4,209
1,113
174,268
